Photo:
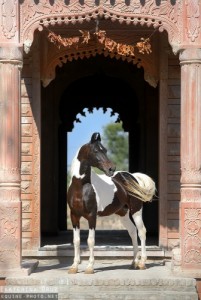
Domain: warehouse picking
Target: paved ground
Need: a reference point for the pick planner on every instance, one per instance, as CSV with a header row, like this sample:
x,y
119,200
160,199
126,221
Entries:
x,y
112,279
102,268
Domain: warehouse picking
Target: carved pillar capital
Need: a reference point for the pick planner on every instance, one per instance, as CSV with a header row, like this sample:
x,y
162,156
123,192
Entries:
x,y
190,55
11,53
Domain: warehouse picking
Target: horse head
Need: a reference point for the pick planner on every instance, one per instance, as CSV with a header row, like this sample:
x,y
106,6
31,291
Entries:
x,y
95,154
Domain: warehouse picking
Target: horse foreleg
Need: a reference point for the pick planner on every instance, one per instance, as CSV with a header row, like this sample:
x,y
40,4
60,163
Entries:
x,y
142,235
91,243
76,241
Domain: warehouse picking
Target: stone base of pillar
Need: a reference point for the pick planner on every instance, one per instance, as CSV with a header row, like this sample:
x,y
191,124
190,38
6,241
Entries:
x,y
190,235
26,269
10,235
15,273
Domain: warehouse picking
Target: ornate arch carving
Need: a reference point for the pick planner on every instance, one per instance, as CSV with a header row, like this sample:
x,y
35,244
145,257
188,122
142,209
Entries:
x,y
147,62
166,16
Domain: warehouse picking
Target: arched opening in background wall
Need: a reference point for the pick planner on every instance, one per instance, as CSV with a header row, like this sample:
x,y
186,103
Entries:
x,y
86,123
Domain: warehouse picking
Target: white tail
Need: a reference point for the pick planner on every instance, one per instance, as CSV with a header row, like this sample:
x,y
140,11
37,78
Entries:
x,y
147,187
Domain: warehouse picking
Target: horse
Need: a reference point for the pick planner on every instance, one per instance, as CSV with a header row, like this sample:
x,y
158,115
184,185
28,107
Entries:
x,y
115,192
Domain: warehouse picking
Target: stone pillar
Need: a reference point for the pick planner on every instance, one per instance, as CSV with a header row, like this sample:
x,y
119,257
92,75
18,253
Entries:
x,y
190,209
10,204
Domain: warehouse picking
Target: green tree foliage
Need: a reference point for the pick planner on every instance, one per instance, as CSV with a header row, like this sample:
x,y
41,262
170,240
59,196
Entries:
x,y
116,141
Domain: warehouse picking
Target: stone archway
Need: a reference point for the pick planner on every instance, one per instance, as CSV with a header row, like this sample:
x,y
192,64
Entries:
x,y
181,20
148,14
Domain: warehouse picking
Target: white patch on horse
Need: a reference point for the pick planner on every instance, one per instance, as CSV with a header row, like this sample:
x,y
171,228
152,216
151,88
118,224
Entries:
x,y
75,167
104,189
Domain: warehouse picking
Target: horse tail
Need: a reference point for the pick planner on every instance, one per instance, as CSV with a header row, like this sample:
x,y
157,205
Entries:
x,y
147,186
138,185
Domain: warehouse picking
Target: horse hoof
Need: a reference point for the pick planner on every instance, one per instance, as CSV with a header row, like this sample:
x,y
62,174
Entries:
x,y
72,270
141,267
89,271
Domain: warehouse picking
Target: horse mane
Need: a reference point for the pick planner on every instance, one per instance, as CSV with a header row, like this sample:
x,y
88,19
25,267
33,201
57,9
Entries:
x,y
138,185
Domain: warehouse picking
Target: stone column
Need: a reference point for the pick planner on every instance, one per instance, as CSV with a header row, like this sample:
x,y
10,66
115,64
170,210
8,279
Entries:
x,y
10,204
190,217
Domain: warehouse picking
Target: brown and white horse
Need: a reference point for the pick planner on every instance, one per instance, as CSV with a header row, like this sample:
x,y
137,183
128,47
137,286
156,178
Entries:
x,y
90,195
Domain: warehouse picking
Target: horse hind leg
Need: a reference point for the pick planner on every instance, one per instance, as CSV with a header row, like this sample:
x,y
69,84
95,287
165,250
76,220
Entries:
x,y
142,235
131,228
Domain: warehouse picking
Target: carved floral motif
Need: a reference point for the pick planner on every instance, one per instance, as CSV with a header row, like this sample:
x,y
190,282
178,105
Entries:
x,y
8,221
193,19
36,183
26,206
192,243
9,18
190,173
9,230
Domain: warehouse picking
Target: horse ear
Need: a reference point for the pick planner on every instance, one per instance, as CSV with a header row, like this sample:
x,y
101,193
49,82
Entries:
x,y
95,137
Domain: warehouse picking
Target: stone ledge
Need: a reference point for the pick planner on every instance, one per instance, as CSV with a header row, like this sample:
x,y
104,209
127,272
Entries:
x,y
99,251
174,283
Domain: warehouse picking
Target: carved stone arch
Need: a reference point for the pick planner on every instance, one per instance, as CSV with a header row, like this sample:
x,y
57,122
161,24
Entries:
x,y
147,62
166,16
76,91
84,114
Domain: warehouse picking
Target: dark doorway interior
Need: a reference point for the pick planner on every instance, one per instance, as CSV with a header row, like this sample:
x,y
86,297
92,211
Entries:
x,y
96,82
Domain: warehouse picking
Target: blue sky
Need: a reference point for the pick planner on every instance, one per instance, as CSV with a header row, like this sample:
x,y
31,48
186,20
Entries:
x,y
81,134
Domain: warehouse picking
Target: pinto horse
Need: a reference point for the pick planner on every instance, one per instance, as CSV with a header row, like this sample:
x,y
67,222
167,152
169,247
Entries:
x,y
90,195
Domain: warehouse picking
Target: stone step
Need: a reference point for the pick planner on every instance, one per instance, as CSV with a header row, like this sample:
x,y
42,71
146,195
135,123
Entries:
x,y
67,250
112,279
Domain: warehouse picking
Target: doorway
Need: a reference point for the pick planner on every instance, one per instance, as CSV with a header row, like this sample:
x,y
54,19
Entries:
x,y
101,83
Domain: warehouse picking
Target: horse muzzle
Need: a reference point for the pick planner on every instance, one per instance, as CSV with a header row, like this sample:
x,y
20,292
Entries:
x,y
110,171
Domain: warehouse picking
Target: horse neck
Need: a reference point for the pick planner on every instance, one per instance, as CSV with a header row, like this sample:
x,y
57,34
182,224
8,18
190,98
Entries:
x,y
85,172
81,170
